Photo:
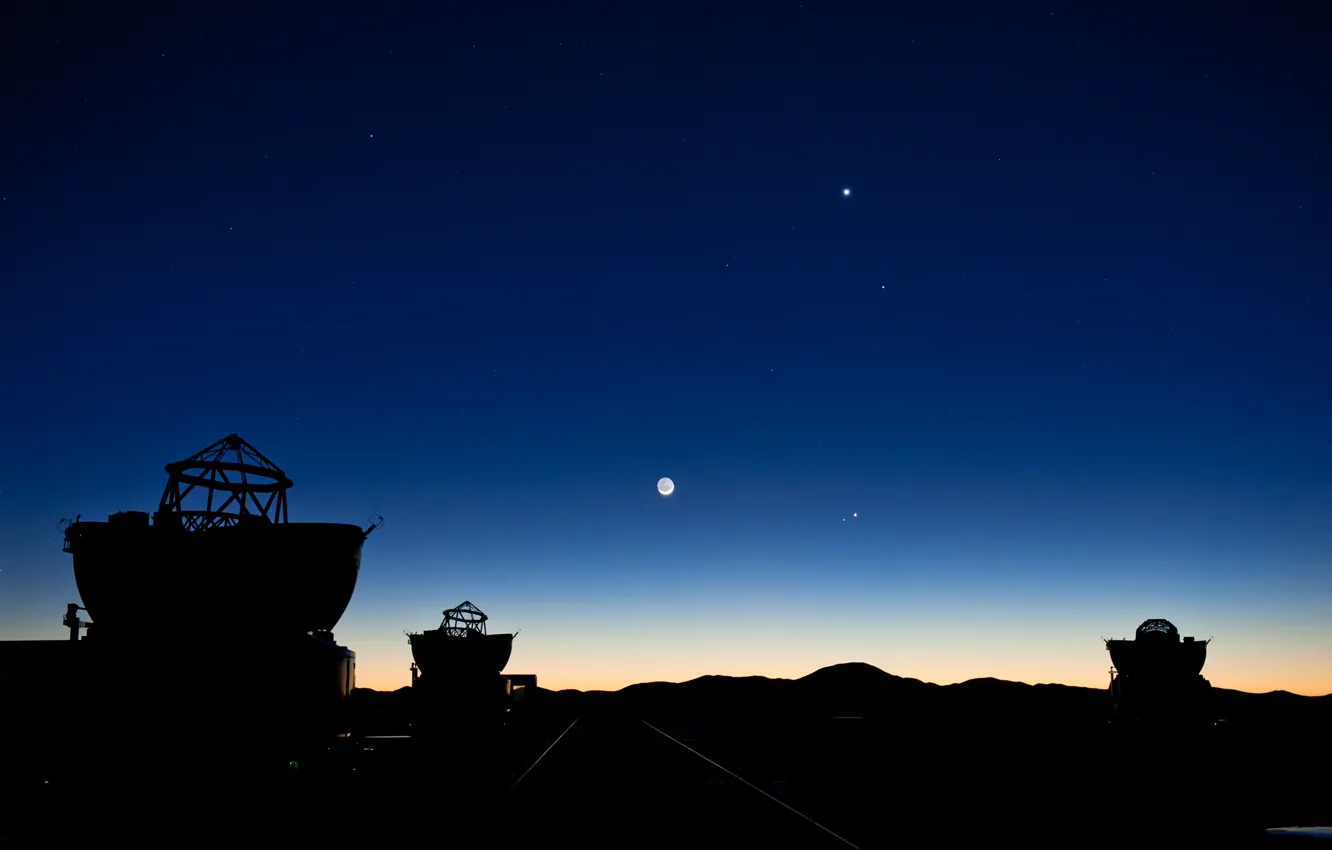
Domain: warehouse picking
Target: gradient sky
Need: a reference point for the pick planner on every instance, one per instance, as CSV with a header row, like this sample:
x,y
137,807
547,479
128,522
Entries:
x,y
491,272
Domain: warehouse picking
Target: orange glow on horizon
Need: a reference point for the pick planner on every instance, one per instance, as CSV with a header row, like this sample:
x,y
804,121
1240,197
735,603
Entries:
x,y
949,647
558,678
952,647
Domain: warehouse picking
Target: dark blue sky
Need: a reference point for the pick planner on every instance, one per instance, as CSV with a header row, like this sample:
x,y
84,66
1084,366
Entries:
x,y
1063,350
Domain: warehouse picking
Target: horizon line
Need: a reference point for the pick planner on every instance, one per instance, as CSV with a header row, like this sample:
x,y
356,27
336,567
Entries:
x,y
854,664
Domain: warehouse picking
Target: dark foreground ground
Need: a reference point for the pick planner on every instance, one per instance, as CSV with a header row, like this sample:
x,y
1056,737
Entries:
x,y
577,776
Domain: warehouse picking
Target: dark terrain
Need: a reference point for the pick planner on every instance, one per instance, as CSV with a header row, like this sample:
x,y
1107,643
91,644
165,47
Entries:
x,y
877,758
848,756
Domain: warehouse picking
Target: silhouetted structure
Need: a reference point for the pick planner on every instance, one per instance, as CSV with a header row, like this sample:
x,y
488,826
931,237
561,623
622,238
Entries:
x,y
220,542
460,696
461,646
522,687
211,626
1157,675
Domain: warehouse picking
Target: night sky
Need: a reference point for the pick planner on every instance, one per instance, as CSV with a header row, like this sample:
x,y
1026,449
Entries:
x,y
1058,362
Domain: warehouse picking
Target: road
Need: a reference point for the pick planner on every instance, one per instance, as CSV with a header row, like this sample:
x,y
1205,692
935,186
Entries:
x,y
610,780
616,782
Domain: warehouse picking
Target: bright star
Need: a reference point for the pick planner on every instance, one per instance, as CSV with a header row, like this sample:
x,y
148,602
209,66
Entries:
x,y
846,193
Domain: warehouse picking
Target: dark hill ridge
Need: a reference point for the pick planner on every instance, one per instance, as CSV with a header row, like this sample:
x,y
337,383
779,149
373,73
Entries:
x,y
862,690
857,689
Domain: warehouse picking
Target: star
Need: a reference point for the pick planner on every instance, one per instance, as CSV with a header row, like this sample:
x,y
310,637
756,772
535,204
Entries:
x,y
846,193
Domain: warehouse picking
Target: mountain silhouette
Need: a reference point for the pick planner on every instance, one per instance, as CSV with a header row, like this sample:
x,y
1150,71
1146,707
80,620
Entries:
x,y
865,692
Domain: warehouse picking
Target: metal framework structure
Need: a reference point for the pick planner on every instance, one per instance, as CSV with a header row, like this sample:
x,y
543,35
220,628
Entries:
x,y
1157,625
464,620
239,481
